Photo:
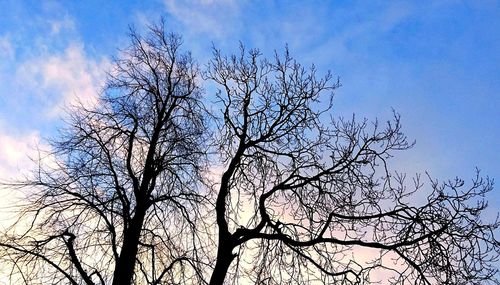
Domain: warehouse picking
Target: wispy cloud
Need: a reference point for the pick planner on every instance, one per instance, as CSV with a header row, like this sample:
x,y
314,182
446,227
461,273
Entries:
x,y
20,154
65,23
7,51
214,17
15,162
15,153
63,79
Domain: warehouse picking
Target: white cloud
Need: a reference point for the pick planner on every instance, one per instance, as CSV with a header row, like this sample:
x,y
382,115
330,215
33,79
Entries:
x,y
214,17
21,153
6,49
64,79
15,153
62,24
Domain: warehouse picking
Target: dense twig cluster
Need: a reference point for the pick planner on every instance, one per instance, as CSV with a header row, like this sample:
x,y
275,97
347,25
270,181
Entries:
x,y
126,198
121,199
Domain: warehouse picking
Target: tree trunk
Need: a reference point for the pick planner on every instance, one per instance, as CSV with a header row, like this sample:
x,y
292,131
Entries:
x,y
224,259
124,269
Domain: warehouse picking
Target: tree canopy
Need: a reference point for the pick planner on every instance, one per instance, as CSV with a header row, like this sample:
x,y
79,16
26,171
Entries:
x,y
157,184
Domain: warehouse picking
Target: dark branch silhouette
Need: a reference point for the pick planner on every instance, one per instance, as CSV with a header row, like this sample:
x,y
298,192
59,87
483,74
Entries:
x,y
123,192
131,194
298,195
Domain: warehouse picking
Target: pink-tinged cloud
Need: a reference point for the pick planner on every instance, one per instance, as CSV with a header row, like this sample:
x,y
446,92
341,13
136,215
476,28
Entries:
x,y
64,79
15,153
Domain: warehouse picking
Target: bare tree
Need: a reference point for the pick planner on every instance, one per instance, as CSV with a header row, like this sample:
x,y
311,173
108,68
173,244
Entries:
x,y
119,204
126,199
298,197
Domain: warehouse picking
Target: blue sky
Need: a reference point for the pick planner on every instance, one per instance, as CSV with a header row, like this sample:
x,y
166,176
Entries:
x,y
435,62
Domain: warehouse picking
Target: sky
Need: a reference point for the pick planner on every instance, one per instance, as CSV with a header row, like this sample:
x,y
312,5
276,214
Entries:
x,y
437,63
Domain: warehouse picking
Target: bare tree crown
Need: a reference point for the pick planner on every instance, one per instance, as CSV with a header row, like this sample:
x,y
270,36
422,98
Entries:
x,y
303,194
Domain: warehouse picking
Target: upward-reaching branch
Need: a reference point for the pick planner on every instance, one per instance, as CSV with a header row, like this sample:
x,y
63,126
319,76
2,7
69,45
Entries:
x,y
141,149
303,197
310,193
